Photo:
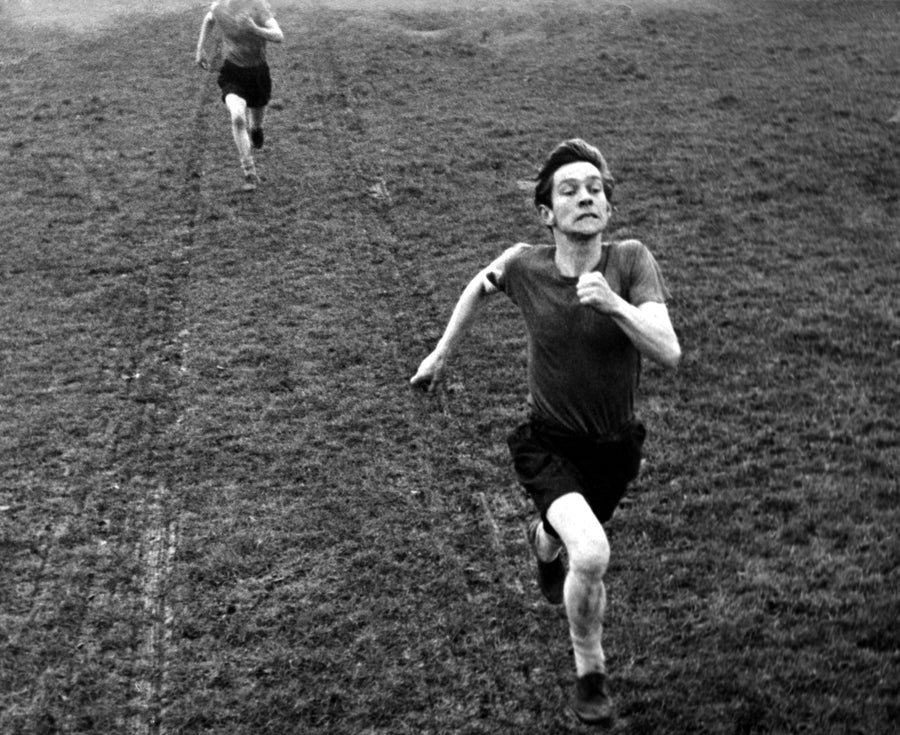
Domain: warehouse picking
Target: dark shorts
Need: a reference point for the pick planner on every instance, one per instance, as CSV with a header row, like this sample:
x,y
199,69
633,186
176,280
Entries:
x,y
253,83
550,463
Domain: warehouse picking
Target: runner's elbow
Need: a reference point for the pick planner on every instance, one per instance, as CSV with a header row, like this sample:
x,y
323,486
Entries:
x,y
275,33
672,356
667,354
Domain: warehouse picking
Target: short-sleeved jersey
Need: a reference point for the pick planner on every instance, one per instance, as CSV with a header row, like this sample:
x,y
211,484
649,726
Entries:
x,y
583,369
240,46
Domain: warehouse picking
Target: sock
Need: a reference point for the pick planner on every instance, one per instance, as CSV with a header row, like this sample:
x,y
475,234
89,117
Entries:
x,y
588,651
586,624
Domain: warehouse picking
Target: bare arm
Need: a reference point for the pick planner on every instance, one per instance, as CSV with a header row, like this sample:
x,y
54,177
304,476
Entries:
x,y
205,28
473,297
648,326
270,31
431,370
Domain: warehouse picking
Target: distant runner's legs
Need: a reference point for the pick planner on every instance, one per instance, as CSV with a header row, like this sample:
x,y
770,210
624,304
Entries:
x,y
256,116
237,109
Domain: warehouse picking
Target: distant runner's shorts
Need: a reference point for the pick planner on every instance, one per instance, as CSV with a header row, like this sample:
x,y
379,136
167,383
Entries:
x,y
253,83
551,462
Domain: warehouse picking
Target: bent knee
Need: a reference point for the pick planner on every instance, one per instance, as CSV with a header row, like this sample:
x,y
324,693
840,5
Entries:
x,y
590,560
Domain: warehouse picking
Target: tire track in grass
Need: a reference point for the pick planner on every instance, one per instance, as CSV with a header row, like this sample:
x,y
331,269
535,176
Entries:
x,y
144,453
159,539
157,547
92,647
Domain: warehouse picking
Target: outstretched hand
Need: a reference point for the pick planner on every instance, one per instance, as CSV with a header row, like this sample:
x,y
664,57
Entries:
x,y
430,372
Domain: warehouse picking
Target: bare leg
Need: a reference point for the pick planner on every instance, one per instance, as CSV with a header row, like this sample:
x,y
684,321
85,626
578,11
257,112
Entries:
x,y
584,593
585,597
237,108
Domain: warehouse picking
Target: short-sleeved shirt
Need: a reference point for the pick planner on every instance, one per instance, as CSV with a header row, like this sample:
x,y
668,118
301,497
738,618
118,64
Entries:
x,y
240,46
583,369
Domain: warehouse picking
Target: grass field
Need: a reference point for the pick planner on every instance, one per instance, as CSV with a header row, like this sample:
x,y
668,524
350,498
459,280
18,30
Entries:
x,y
222,510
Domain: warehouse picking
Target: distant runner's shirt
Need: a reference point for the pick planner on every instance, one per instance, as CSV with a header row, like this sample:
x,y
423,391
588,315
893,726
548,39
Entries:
x,y
239,45
583,370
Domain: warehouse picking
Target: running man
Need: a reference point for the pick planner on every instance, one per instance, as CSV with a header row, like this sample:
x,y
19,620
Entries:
x,y
591,309
246,27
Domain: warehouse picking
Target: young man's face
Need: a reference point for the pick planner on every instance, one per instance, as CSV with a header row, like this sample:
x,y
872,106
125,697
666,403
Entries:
x,y
579,206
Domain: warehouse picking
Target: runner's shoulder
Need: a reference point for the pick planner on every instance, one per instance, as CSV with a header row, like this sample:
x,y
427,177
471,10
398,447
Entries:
x,y
518,251
628,244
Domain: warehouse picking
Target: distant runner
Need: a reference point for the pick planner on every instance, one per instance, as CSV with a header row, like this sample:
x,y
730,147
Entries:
x,y
246,26
591,310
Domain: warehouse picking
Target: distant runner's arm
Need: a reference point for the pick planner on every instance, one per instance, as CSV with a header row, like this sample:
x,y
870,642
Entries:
x,y
208,23
480,288
270,30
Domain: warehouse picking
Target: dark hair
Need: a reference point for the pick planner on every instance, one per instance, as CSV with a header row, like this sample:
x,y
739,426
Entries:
x,y
570,151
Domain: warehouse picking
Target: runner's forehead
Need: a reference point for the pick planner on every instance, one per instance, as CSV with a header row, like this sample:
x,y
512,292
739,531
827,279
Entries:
x,y
578,171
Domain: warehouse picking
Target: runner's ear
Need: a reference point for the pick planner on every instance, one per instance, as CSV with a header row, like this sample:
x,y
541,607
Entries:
x,y
546,215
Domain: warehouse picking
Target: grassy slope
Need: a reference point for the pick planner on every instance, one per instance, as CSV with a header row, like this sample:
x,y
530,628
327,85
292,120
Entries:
x,y
221,509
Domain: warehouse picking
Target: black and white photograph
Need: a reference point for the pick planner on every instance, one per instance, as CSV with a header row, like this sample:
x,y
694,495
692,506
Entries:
x,y
408,367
